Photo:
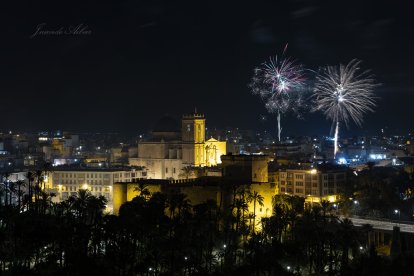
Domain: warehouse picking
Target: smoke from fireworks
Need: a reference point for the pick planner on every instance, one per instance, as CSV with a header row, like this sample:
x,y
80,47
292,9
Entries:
x,y
278,82
344,93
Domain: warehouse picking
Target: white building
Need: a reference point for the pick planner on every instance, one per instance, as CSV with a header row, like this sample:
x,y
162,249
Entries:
x,y
66,182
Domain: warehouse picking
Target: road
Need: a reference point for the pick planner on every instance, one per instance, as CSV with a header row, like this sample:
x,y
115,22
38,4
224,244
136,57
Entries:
x,y
383,224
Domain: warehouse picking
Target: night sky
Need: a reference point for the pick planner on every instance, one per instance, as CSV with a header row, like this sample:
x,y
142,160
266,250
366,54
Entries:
x,y
139,60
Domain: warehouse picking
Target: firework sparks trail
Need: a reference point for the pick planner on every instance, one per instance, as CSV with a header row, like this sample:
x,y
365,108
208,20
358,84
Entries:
x,y
278,82
344,93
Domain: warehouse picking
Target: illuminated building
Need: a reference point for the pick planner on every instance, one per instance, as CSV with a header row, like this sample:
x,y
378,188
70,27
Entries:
x,y
316,184
66,182
59,147
243,171
171,149
251,168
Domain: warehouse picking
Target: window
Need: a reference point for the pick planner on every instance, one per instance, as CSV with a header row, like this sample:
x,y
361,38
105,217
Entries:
x,y
314,184
299,183
166,170
282,190
340,176
173,170
282,182
299,191
298,176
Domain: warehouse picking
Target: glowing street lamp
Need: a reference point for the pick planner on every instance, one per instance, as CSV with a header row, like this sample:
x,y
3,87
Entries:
x,y
397,212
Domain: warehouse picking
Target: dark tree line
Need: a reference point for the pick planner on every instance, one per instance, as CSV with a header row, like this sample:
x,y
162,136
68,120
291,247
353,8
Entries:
x,y
165,234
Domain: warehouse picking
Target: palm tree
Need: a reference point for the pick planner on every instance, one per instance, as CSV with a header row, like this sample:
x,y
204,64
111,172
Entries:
x,y
256,198
30,179
19,184
348,237
241,207
187,172
283,201
39,179
2,193
143,190
366,231
5,176
47,170
12,190
79,203
325,207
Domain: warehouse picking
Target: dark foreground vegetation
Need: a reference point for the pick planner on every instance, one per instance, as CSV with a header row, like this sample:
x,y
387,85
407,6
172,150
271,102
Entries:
x,y
159,234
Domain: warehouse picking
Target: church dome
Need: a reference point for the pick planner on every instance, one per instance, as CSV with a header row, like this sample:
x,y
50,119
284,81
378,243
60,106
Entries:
x,y
166,124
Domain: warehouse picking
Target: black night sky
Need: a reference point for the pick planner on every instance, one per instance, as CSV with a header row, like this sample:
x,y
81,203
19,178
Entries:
x,y
144,59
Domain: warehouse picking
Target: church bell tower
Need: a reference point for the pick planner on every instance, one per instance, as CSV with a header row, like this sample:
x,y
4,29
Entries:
x,y
193,138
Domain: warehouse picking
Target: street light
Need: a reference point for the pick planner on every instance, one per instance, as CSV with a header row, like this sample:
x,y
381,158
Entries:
x,y
396,211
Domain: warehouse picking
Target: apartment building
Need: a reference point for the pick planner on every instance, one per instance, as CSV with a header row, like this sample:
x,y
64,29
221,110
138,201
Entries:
x,y
321,182
66,182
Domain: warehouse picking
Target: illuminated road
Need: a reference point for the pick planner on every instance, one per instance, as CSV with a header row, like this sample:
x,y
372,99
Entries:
x,y
383,224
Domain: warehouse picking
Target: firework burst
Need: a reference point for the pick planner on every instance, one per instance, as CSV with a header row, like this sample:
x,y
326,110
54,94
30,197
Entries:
x,y
344,93
279,82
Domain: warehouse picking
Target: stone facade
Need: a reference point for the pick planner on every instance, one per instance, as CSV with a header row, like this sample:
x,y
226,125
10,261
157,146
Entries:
x,y
169,151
